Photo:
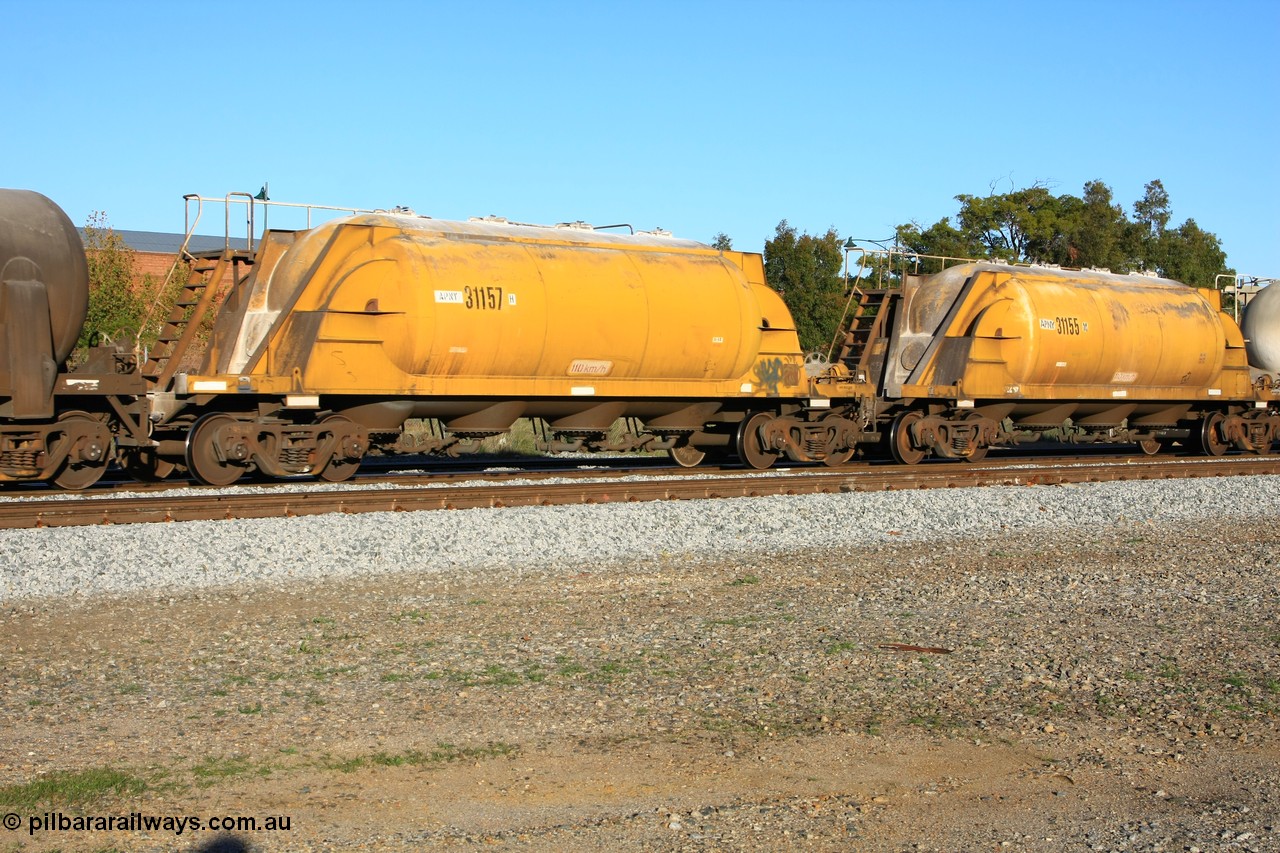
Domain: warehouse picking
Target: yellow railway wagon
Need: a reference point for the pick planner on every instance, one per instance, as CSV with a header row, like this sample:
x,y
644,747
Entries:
x,y
980,352
380,318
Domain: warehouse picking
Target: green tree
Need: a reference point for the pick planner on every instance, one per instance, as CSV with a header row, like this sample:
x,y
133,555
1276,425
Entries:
x,y
1021,225
115,306
722,242
1190,255
1095,230
942,241
1187,253
807,272
1151,212
1032,225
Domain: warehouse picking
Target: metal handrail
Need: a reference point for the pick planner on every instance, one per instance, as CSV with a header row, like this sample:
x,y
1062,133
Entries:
x,y
189,226
1246,286
908,258
251,203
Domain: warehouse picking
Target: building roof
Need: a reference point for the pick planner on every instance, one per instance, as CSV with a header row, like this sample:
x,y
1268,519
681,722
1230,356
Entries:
x,y
158,242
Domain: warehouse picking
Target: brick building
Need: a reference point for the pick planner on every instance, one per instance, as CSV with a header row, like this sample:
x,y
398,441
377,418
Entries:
x,y
155,251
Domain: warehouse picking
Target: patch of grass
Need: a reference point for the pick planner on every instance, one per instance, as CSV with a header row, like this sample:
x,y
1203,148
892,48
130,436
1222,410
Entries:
x,y
411,615
324,620
1169,670
1236,680
457,676
572,668
323,673
608,670
841,646
1134,676
255,708
212,770
441,754
392,677
926,715
128,689
927,721
349,765
71,788
745,580
498,674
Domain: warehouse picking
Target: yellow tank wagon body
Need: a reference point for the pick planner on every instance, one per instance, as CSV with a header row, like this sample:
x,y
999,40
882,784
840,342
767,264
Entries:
x,y
983,354
379,318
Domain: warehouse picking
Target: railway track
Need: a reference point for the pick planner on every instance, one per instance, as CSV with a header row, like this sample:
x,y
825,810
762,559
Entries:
x,y
401,472
596,486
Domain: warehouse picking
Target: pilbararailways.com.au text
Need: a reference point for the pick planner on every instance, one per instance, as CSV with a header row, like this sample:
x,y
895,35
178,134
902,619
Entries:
x,y
140,822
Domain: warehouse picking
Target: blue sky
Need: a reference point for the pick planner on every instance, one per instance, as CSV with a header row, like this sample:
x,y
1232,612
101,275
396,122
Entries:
x,y
698,117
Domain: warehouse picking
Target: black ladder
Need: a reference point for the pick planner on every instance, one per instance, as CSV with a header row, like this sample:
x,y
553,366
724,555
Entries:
x,y
193,304
859,331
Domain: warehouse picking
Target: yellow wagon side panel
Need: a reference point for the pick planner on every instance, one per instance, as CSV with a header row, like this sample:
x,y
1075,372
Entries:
x,y
399,305
1017,332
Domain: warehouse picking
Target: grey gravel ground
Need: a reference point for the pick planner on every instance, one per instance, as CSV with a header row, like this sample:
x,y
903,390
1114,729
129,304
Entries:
x,y
1089,668
78,561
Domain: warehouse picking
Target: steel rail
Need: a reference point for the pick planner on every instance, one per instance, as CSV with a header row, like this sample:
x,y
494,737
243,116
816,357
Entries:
x,y
410,472
167,507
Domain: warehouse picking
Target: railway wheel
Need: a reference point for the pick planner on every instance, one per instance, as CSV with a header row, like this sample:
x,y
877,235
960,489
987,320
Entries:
x,y
835,460
1151,446
751,447
1211,440
686,455
87,460
345,460
901,446
839,457
208,458
143,465
977,452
